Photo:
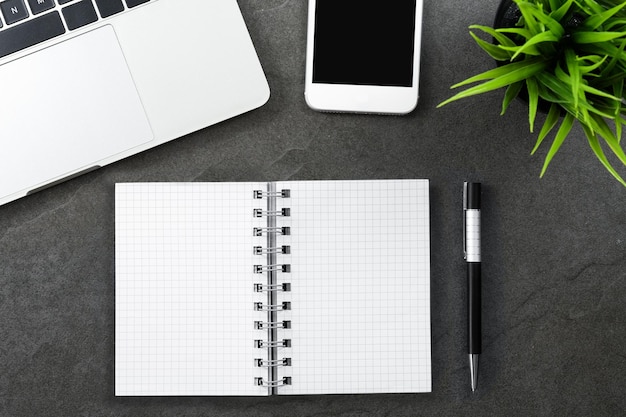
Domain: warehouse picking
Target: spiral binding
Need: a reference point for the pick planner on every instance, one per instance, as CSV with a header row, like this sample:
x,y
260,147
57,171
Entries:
x,y
258,194
284,287
272,307
260,250
284,212
284,306
260,231
273,384
268,325
262,363
260,344
259,269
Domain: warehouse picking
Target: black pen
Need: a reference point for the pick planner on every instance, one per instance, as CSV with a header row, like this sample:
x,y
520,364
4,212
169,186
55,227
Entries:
x,y
471,240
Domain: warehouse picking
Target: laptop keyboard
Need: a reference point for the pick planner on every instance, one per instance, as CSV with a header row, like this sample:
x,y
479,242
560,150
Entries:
x,y
25,23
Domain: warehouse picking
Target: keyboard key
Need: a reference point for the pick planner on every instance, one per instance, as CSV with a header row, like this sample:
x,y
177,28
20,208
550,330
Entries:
x,y
13,10
40,6
109,7
64,1
30,33
133,3
79,14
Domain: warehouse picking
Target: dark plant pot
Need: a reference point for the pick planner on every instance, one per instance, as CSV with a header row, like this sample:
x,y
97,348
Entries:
x,y
507,16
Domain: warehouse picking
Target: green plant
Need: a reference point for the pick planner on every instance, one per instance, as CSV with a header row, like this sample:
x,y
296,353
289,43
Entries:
x,y
569,54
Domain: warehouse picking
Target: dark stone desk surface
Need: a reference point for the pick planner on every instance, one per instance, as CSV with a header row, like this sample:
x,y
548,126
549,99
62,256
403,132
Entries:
x,y
554,248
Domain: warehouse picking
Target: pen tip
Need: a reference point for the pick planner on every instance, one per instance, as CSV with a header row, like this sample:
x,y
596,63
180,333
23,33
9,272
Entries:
x,y
474,370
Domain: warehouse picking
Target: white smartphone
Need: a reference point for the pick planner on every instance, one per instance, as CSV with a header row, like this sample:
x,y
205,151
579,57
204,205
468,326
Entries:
x,y
363,56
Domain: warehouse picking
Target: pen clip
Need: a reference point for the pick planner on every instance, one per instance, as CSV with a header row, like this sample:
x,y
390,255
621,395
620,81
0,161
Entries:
x,y
465,220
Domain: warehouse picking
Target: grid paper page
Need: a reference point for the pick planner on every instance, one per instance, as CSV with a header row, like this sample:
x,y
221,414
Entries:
x,y
184,289
360,287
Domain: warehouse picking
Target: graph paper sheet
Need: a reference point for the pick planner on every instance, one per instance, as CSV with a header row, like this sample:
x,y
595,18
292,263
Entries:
x,y
184,301
360,287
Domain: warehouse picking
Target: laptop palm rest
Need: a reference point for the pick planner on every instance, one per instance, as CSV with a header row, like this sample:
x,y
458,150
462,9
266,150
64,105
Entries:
x,y
87,110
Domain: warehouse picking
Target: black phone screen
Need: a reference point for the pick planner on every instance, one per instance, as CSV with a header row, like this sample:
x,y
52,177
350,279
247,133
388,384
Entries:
x,y
364,42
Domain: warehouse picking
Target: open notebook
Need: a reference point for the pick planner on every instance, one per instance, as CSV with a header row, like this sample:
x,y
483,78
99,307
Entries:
x,y
296,287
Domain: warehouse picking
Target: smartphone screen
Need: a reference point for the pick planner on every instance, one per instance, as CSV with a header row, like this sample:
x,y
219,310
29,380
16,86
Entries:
x,y
364,42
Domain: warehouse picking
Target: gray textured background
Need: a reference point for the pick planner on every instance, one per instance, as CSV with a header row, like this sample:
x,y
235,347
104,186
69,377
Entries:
x,y
554,265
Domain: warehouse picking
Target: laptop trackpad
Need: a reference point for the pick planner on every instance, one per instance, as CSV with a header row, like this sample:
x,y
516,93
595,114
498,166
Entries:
x,y
65,109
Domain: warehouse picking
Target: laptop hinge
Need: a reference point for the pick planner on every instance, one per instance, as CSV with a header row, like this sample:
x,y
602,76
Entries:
x,y
69,177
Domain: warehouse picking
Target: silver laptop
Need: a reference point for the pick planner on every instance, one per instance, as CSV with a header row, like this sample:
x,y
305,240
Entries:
x,y
88,82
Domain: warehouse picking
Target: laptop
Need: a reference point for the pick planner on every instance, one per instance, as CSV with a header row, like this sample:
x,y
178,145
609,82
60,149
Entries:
x,y
89,82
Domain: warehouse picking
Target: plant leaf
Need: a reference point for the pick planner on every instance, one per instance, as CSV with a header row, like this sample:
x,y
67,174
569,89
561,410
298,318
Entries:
x,y
597,92
554,4
590,7
615,24
529,19
533,101
511,92
615,59
603,129
596,37
561,134
594,143
596,62
557,86
604,48
500,71
524,33
574,74
596,20
492,50
561,89
553,117
499,37
553,25
618,91
535,40
505,76
558,13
